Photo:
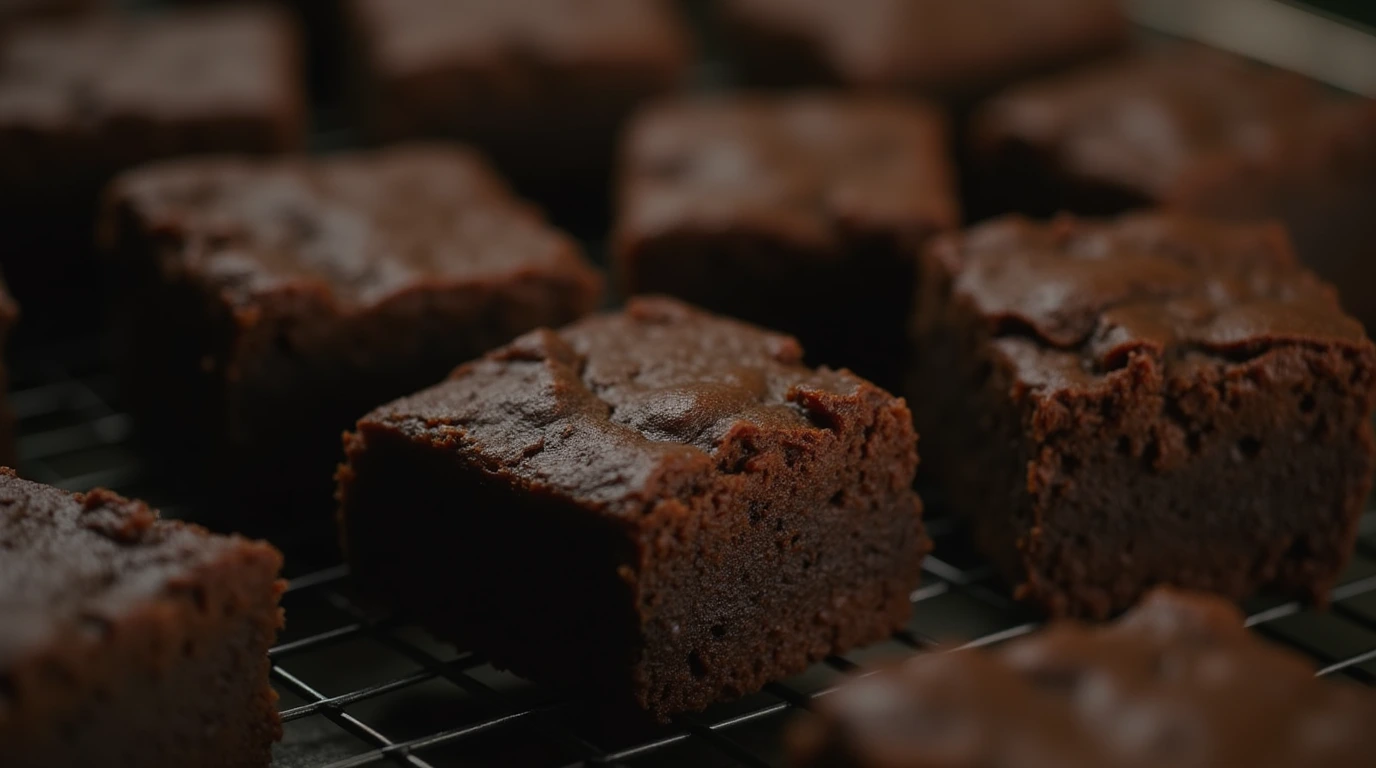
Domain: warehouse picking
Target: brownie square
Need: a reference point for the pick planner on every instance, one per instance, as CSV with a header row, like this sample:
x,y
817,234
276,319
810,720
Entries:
x,y
659,506
1153,400
937,47
82,99
126,640
1199,131
542,86
1178,681
798,213
273,302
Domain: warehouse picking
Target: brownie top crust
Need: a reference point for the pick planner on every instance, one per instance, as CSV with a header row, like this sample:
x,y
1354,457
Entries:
x,y
1178,681
419,36
620,410
1078,298
75,563
1169,120
360,228
807,169
126,71
941,46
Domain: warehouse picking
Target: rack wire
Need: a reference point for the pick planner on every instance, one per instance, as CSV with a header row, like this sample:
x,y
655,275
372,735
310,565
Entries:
x,y
359,688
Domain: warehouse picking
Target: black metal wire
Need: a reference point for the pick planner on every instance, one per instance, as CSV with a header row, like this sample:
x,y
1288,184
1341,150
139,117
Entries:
x,y
74,436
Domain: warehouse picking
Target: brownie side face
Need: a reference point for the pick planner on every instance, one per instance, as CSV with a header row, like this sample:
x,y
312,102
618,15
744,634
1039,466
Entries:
x,y
799,213
542,86
1178,681
1200,131
128,641
659,506
9,315
278,301
936,47
1157,399
86,98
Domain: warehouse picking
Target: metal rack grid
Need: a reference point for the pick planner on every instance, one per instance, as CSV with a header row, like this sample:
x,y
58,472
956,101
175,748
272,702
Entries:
x,y
361,689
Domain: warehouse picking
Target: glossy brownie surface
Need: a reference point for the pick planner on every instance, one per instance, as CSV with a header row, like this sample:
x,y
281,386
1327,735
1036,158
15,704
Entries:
x,y
1177,681
1156,399
362,228
154,627
658,470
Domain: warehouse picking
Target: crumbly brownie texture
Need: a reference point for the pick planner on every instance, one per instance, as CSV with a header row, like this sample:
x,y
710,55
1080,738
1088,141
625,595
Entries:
x,y
1178,681
660,506
81,100
799,213
542,86
1160,399
128,641
937,47
277,301
1200,131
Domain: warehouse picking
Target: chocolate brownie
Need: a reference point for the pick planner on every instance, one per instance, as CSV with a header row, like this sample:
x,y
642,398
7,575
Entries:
x,y
542,86
937,47
659,506
82,99
1157,399
1199,131
127,641
276,301
1177,682
797,213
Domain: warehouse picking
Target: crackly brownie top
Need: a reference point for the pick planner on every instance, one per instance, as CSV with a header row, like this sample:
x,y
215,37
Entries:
x,y
1160,120
937,44
1080,297
75,563
803,168
419,36
363,227
182,65
618,410
1177,682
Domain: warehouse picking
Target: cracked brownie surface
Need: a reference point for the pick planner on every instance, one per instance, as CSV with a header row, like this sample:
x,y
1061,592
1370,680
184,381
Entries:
x,y
728,514
1177,681
1144,391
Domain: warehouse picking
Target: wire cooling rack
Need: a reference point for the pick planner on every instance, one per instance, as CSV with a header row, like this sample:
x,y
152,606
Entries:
x,y
360,689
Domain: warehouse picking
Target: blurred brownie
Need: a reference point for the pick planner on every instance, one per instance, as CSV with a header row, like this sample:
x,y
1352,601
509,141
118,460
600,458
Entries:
x,y
695,511
19,11
1199,131
936,47
1177,682
799,213
128,641
273,302
1157,399
542,86
81,100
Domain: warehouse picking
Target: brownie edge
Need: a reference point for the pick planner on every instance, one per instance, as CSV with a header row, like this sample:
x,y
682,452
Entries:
x,y
689,508
1177,682
127,641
